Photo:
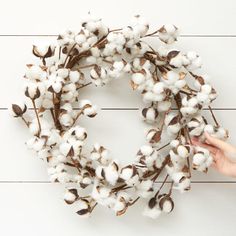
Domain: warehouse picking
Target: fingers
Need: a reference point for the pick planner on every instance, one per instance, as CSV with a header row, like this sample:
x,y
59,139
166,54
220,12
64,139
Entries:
x,y
218,143
212,149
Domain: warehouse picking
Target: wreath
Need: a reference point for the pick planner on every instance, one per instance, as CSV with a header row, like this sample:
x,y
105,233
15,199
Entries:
x,y
166,78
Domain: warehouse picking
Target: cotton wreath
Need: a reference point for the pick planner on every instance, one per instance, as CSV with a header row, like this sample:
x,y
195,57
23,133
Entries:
x,y
166,78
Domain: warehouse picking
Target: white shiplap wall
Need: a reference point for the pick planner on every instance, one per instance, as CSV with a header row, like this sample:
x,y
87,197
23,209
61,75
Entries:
x,y
29,204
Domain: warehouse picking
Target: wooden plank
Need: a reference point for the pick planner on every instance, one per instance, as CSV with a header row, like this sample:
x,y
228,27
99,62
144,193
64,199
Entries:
x,y
122,132
49,17
119,93
38,209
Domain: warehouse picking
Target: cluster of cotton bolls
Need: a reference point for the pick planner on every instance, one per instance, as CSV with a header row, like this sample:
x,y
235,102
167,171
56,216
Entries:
x,y
97,55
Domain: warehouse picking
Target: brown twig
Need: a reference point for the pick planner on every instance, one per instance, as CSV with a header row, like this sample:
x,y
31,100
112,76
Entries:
x,y
213,116
37,116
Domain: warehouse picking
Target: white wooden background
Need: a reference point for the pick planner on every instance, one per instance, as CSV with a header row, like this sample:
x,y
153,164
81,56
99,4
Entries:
x,y
29,204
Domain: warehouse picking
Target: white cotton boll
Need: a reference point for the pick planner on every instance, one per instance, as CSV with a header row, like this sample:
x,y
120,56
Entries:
x,y
150,114
173,129
209,129
163,106
177,176
111,173
95,156
138,78
174,143
67,107
206,88
90,111
35,73
83,208
172,77
119,206
146,150
126,173
202,97
63,73
182,151
65,148
167,206
192,55
180,83
158,87
84,102
193,102
99,171
74,76
199,159
66,119
80,38
152,213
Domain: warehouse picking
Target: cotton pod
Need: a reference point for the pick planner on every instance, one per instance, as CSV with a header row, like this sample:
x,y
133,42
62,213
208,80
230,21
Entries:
x,y
54,83
153,136
195,61
206,95
99,76
152,209
88,109
18,110
172,123
216,131
43,50
174,81
83,208
138,80
35,73
112,172
196,125
129,174
100,154
190,106
175,58
121,203
78,132
166,203
182,183
168,33
183,151
202,159
150,114
36,143
32,91
71,195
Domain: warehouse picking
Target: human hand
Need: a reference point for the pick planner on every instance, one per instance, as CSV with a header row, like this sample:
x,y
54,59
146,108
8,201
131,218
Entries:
x,y
221,153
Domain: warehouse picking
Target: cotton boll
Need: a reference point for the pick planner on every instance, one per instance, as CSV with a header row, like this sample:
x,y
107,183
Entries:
x,y
70,196
163,106
168,33
146,150
209,129
111,173
150,114
74,76
17,110
66,119
153,213
154,136
199,159
65,148
166,204
83,208
182,151
138,78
